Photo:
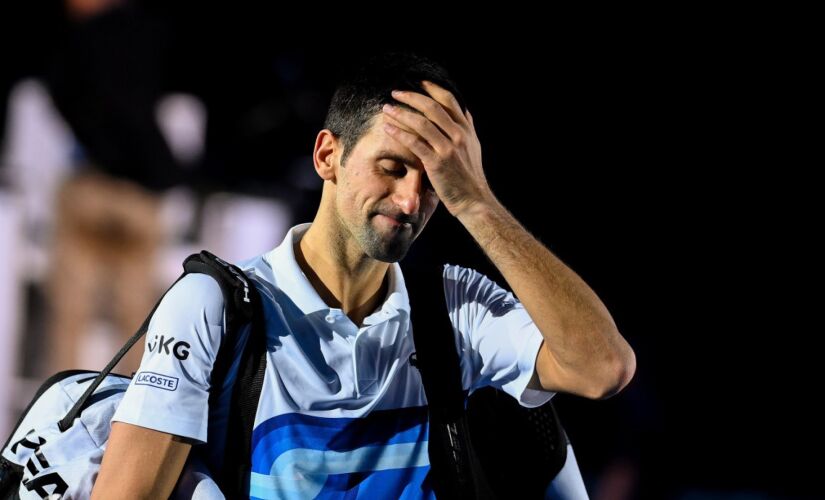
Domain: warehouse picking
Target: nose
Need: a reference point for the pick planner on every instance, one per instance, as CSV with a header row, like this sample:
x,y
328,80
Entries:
x,y
407,195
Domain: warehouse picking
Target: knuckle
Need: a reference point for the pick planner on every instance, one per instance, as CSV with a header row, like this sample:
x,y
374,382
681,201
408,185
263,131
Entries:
x,y
430,106
420,121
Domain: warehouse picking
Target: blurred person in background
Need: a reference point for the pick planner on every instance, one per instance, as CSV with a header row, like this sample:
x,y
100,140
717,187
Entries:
x,y
106,241
106,81
109,67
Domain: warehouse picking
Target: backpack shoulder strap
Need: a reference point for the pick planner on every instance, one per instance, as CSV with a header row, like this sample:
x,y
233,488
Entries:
x,y
233,478
436,356
454,467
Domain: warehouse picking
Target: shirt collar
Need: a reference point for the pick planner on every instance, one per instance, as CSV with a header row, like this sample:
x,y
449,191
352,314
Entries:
x,y
290,278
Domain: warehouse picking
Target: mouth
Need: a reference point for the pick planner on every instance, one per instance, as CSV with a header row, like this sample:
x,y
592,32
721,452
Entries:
x,y
393,222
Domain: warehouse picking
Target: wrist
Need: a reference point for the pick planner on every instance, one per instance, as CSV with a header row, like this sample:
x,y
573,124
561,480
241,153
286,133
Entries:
x,y
477,210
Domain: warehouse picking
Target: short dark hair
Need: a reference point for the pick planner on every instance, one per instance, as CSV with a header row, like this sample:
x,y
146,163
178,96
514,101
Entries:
x,y
366,87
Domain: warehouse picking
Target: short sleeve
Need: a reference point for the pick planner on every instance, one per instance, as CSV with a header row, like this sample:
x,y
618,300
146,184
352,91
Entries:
x,y
497,341
170,390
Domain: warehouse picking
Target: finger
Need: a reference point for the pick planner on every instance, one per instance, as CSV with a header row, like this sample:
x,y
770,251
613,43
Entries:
x,y
433,110
413,142
446,99
420,125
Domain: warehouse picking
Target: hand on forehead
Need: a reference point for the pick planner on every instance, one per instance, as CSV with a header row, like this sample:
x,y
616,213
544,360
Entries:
x,y
388,144
435,108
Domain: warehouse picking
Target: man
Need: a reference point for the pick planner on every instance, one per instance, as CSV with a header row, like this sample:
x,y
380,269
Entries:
x,y
342,409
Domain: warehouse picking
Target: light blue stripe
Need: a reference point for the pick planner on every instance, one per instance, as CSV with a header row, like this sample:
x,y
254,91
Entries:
x,y
302,473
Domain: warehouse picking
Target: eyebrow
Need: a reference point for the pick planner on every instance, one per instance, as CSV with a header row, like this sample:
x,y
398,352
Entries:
x,y
396,157
384,154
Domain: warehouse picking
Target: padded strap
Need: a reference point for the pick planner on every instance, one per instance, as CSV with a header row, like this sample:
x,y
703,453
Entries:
x,y
455,471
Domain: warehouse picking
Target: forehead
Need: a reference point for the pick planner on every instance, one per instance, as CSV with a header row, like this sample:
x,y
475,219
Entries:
x,y
377,144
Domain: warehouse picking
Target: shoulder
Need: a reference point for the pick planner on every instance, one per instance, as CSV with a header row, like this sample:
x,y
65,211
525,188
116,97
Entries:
x,y
199,294
453,271
464,285
468,279
195,293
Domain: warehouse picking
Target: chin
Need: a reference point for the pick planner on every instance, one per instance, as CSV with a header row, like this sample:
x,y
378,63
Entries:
x,y
390,257
390,254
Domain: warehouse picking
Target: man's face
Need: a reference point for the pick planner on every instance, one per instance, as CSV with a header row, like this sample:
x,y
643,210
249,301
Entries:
x,y
383,196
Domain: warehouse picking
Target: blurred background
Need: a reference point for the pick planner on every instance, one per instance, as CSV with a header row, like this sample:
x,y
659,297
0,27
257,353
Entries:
x,y
134,133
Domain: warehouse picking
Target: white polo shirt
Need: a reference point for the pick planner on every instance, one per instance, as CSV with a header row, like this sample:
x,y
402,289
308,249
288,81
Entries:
x,y
341,410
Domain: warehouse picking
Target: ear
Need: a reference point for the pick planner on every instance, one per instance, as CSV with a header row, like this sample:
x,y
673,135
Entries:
x,y
326,154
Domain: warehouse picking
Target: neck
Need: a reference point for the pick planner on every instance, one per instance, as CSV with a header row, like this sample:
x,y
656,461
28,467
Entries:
x,y
343,275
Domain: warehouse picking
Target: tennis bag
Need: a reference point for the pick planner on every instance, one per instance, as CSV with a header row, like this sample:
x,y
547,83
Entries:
x,y
57,445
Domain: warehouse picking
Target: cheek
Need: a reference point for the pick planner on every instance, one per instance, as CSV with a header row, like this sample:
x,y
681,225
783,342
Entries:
x,y
363,193
347,204
355,201
343,198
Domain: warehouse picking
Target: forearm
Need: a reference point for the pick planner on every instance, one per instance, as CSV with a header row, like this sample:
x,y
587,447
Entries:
x,y
578,330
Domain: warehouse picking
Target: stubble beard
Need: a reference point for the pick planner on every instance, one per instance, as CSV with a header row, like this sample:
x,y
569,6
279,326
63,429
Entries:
x,y
382,245
386,246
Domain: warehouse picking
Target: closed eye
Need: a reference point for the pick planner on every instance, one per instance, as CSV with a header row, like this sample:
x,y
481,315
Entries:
x,y
396,173
401,172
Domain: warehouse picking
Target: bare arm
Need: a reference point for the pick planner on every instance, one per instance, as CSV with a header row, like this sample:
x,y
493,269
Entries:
x,y
583,352
140,463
